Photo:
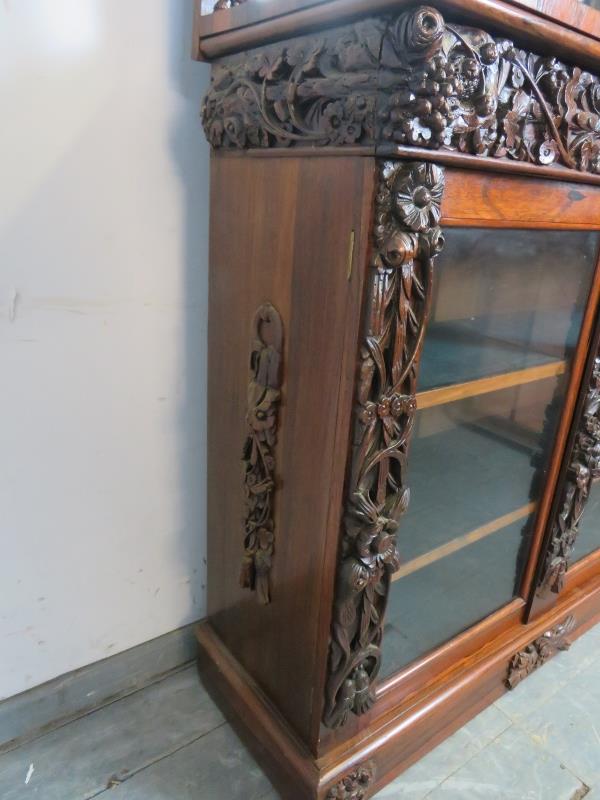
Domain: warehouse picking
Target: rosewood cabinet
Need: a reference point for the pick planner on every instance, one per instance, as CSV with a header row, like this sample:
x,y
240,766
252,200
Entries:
x,y
404,369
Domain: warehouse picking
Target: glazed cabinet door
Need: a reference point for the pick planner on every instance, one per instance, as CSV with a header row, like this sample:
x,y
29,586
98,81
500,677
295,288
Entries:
x,y
512,305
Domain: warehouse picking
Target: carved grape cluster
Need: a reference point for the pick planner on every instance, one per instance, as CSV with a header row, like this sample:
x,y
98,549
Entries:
x,y
421,112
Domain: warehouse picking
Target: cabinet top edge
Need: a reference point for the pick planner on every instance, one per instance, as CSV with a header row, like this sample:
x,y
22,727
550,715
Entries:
x,y
568,28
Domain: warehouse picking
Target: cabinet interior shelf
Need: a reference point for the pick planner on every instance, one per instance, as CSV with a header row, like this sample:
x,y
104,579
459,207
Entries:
x,y
493,383
457,544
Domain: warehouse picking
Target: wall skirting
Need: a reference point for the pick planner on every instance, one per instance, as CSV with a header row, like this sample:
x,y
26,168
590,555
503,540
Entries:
x,y
43,708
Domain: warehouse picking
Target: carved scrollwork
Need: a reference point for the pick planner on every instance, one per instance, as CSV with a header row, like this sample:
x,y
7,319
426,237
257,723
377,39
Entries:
x,y
406,240
540,651
584,467
354,786
258,454
414,79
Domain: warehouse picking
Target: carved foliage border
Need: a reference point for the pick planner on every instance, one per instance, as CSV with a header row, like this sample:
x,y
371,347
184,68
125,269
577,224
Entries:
x,y
264,394
406,240
539,651
584,468
411,79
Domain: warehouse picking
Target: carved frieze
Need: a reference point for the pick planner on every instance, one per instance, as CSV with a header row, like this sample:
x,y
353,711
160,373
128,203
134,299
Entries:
x,y
414,79
317,90
584,467
354,786
540,651
258,452
406,240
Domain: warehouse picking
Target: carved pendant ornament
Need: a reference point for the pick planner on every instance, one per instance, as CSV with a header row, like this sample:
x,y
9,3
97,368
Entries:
x,y
354,786
406,240
540,651
584,468
413,79
258,454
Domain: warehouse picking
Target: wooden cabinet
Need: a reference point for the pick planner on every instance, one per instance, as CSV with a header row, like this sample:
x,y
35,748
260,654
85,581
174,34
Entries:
x,y
404,369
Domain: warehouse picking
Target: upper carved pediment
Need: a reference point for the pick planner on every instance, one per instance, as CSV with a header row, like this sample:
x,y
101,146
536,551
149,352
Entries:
x,y
414,79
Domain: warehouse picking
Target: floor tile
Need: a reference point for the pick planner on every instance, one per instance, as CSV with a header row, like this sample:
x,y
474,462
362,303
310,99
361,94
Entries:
x,y
512,767
568,725
78,761
430,771
215,767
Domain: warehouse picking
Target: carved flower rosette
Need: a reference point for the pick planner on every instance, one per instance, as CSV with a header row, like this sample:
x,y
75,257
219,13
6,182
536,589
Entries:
x,y
354,786
406,240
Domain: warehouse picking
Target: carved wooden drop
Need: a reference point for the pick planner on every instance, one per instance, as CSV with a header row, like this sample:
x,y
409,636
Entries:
x,y
258,454
354,786
540,651
406,240
584,467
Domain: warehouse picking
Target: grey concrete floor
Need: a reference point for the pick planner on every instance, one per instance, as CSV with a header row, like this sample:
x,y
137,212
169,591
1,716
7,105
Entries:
x,y
169,742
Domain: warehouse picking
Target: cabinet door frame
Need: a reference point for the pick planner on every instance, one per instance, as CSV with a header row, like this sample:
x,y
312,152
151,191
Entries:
x,y
474,198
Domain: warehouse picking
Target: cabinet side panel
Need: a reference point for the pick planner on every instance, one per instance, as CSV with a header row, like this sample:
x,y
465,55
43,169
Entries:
x,y
281,233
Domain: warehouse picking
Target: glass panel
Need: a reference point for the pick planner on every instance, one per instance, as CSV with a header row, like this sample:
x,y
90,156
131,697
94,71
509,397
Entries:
x,y
507,309
588,539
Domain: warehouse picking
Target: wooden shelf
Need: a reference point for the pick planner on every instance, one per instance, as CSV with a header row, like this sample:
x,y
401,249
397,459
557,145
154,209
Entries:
x,y
460,391
463,541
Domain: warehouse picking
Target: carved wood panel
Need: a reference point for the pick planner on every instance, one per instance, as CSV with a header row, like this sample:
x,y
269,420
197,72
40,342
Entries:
x,y
406,239
584,467
410,79
538,652
355,785
258,453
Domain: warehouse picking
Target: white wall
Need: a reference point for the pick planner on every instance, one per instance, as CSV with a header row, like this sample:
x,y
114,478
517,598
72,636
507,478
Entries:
x,y
103,277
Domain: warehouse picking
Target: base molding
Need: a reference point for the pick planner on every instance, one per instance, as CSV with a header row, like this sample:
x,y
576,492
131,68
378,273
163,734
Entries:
x,y
390,744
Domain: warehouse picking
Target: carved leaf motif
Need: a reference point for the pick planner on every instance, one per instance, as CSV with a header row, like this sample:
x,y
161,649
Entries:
x,y
406,239
540,651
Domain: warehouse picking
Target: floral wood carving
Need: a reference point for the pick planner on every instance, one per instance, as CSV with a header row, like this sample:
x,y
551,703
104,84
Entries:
x,y
540,651
316,90
221,5
354,786
406,240
584,468
258,458
413,79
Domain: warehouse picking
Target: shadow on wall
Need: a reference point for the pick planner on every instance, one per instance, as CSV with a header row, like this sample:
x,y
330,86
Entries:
x,y
191,156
